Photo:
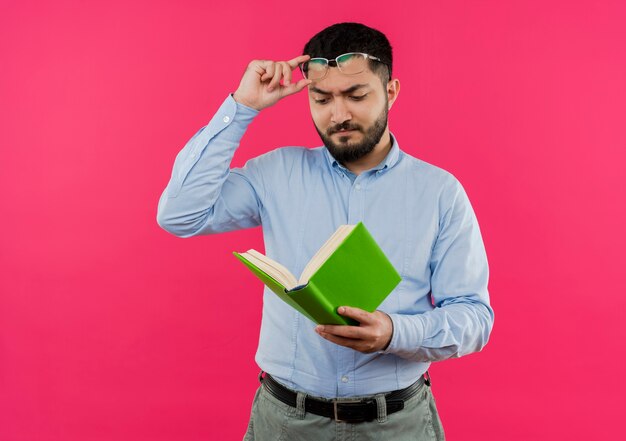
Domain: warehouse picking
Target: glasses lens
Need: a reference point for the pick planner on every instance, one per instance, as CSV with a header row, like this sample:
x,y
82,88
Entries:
x,y
351,64
315,68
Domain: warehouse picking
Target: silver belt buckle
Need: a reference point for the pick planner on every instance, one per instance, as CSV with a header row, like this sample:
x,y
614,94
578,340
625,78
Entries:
x,y
340,401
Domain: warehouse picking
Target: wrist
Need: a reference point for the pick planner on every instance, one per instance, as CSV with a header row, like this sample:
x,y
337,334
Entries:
x,y
385,348
390,333
243,102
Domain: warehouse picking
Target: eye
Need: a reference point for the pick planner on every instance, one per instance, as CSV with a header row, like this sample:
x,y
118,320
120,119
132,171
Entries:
x,y
358,98
322,101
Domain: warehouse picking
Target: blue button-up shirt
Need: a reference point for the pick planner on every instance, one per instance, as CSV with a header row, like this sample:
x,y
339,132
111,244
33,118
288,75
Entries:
x,y
418,213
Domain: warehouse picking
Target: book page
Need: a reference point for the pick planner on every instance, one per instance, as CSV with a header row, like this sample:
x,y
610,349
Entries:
x,y
324,252
272,268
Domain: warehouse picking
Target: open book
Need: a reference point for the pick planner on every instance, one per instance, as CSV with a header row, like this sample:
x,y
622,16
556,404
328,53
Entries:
x,y
350,269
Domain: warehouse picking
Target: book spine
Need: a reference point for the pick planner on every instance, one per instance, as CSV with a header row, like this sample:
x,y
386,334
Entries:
x,y
316,307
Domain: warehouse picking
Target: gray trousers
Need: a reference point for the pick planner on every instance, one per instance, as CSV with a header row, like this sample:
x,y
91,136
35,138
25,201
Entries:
x,y
273,420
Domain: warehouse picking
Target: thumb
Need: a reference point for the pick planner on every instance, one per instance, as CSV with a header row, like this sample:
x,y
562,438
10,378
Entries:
x,y
297,87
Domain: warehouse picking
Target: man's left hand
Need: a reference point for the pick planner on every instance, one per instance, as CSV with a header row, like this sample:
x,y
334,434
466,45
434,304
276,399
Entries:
x,y
373,334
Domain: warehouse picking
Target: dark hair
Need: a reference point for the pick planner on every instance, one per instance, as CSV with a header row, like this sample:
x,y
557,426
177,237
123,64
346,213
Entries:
x,y
342,38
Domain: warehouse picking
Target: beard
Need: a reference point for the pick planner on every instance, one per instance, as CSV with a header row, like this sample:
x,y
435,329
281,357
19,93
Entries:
x,y
346,151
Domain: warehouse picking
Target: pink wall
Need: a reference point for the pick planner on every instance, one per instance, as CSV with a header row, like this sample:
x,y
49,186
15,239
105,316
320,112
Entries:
x,y
111,329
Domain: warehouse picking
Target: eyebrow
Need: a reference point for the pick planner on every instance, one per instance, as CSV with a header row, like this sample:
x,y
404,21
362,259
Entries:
x,y
343,92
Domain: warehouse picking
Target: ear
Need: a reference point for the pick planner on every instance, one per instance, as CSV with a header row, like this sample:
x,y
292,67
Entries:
x,y
393,89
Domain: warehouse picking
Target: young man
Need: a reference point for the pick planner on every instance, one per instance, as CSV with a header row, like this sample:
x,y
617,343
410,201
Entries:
x,y
330,382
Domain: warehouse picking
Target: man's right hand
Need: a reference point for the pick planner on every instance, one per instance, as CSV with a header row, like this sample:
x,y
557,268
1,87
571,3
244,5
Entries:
x,y
260,86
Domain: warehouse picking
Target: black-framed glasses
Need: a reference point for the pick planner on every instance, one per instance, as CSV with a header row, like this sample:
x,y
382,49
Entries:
x,y
351,63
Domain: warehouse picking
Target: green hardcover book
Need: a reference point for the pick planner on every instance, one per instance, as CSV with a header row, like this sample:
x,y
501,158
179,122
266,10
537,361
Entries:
x,y
350,269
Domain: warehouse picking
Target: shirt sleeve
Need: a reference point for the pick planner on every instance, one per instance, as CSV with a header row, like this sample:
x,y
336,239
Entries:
x,y
204,196
462,319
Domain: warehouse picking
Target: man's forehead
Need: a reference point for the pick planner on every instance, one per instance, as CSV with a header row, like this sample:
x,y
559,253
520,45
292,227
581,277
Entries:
x,y
338,83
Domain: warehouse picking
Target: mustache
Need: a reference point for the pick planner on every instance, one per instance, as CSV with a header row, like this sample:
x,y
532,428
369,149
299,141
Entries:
x,y
343,126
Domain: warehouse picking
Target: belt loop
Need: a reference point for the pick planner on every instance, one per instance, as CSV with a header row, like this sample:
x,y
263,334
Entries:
x,y
300,405
261,376
381,406
427,378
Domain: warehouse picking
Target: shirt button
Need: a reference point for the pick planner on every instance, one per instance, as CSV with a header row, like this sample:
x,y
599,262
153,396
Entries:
x,y
193,155
358,187
226,119
344,379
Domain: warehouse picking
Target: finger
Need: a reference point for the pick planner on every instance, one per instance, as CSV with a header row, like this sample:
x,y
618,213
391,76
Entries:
x,y
258,66
357,314
358,345
286,74
296,87
302,84
269,71
352,332
293,63
278,74
347,342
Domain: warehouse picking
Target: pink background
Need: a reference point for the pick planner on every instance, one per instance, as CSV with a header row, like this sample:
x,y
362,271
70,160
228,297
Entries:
x,y
111,329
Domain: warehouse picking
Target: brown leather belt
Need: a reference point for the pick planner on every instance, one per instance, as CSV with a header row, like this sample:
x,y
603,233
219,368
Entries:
x,y
346,410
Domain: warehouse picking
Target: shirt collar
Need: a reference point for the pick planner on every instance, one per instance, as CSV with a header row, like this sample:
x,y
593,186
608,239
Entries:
x,y
390,160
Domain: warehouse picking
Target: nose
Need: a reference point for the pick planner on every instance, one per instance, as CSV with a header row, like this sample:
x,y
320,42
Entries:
x,y
340,110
